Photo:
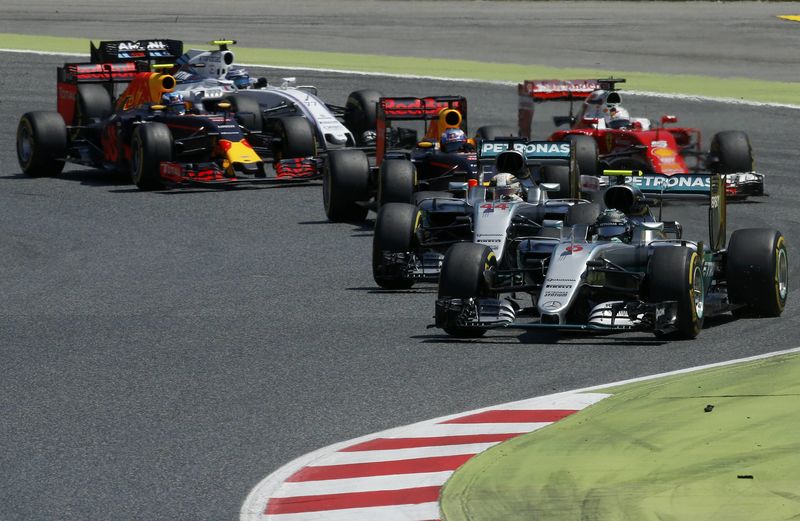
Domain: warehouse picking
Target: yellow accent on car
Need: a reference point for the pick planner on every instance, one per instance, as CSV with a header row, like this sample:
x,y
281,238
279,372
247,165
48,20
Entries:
x,y
160,66
223,42
790,17
239,153
622,172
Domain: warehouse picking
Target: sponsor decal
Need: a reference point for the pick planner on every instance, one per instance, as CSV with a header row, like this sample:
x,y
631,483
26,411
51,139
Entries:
x,y
489,207
171,170
691,183
534,149
558,286
575,248
658,144
556,293
663,152
551,304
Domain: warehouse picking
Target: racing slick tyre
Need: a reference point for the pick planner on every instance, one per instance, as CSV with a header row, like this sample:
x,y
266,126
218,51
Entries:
x,y
361,114
494,131
394,234
345,182
582,213
757,272
41,143
151,144
676,274
243,106
585,154
462,278
296,138
557,174
732,152
93,103
396,181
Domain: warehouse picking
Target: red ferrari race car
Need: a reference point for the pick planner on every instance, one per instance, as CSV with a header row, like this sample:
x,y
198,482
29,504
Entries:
x,y
670,157
153,132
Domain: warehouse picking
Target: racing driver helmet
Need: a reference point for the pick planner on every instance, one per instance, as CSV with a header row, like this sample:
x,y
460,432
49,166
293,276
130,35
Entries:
x,y
239,77
614,225
453,140
174,102
506,188
618,117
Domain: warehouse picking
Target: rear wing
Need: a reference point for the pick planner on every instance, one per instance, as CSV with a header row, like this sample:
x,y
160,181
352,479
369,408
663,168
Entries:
x,y
535,153
437,112
121,51
531,92
408,108
677,186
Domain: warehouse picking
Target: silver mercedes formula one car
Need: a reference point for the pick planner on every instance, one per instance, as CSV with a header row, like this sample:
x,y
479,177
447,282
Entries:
x,y
627,271
519,189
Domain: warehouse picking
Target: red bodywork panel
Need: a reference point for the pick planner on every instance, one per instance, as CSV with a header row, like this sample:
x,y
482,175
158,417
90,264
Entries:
x,y
663,146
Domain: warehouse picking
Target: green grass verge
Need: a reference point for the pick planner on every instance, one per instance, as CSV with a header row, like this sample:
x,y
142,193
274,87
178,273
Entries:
x,y
738,88
651,453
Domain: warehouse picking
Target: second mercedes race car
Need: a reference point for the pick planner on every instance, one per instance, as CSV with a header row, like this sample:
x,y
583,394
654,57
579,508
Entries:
x,y
625,272
669,156
511,203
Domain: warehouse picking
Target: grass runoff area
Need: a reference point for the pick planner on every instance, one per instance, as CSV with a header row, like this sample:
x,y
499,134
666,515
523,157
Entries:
x,y
654,451
736,88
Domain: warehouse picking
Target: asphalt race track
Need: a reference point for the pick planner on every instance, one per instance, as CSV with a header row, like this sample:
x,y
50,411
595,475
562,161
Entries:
x,y
708,38
162,352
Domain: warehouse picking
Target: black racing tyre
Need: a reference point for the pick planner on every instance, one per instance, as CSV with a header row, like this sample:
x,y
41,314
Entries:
x,y
92,103
586,154
345,182
296,138
430,194
151,144
757,271
396,181
361,113
732,151
394,233
41,143
629,163
245,105
557,174
494,131
582,213
462,277
676,273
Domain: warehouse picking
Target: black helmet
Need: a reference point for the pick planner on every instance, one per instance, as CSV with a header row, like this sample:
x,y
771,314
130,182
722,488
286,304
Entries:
x,y
614,224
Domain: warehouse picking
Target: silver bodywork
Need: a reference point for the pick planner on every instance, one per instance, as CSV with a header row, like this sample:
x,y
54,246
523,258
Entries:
x,y
202,78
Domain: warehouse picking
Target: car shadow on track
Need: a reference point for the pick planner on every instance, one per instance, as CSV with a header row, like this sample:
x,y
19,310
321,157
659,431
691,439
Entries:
x,y
360,229
85,177
377,290
530,336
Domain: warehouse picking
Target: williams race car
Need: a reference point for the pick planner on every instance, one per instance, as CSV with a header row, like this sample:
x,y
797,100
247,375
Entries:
x,y
670,157
404,163
625,272
150,130
509,203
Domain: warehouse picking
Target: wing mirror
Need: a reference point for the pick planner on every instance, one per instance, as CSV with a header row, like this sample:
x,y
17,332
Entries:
x,y
550,187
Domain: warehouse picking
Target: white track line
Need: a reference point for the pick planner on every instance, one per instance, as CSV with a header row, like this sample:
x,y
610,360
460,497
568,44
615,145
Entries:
x,y
420,512
372,456
684,97
345,486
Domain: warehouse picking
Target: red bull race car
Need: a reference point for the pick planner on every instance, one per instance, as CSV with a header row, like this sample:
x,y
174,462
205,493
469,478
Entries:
x,y
668,156
123,114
